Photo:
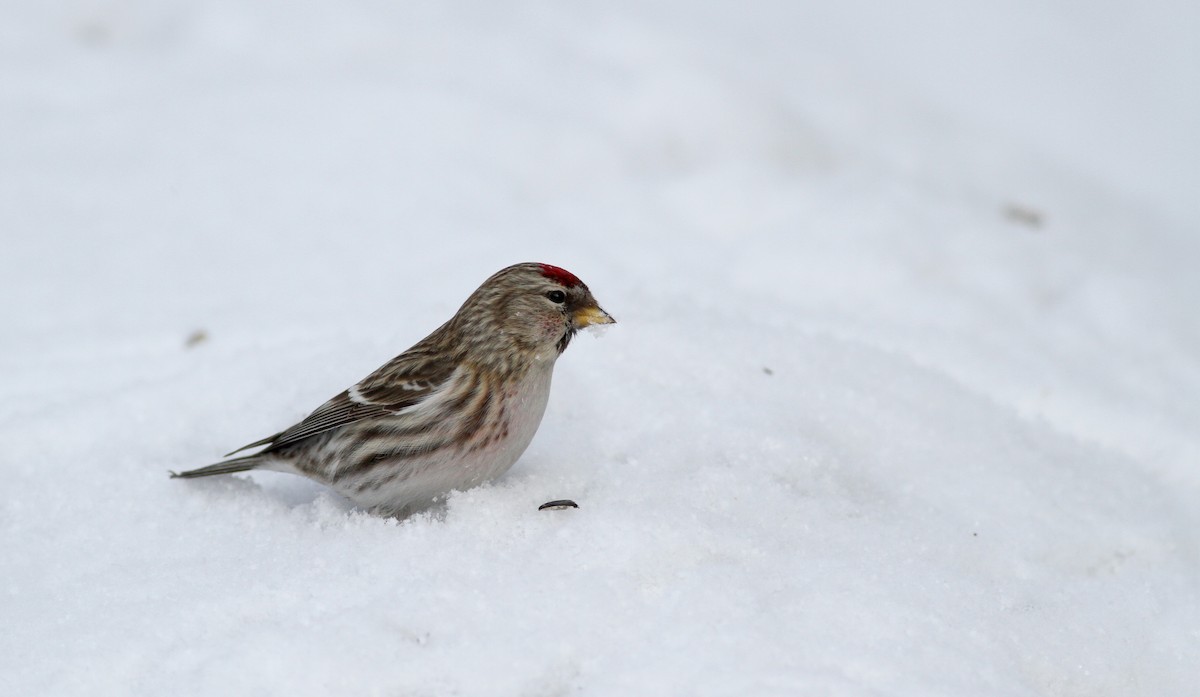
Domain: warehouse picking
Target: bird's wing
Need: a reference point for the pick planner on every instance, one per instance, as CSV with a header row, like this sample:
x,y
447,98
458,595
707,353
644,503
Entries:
x,y
400,383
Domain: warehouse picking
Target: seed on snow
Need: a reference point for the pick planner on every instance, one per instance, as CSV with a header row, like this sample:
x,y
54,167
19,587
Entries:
x,y
558,505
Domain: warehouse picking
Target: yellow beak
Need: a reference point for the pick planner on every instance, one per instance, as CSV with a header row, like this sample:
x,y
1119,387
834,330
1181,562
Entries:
x,y
588,316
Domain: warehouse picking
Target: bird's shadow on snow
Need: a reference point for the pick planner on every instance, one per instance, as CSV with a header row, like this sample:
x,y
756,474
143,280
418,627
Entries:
x,y
301,494
290,490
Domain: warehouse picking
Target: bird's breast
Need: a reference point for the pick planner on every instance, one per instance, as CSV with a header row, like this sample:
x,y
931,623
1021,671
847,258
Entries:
x,y
518,413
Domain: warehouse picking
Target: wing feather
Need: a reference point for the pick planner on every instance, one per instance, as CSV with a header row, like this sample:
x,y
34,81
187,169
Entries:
x,y
402,382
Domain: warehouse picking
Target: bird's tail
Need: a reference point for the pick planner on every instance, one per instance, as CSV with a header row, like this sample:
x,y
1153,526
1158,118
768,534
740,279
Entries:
x,y
237,464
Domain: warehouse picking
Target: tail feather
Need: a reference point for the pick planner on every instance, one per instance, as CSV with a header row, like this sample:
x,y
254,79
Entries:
x,y
265,441
237,464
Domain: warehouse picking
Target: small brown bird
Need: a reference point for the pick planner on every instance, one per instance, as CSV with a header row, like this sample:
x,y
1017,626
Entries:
x,y
452,412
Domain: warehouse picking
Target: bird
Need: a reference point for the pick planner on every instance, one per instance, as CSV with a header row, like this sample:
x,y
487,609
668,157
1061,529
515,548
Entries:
x,y
455,410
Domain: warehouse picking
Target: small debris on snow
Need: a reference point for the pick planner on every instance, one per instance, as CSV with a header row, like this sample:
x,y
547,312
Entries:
x,y
558,505
195,338
1024,215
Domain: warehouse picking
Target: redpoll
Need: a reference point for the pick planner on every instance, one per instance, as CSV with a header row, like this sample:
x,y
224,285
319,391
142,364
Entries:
x,y
453,411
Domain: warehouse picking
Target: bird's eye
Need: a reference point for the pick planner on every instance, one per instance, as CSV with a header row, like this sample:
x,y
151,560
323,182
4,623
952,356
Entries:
x,y
557,296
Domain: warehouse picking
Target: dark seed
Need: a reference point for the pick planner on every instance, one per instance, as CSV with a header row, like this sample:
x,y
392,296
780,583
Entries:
x,y
559,505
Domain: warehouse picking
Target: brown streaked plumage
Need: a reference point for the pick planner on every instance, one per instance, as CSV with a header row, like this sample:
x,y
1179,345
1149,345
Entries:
x,y
455,410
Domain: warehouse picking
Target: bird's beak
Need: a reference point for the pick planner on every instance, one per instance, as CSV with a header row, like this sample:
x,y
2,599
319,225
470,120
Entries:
x,y
592,314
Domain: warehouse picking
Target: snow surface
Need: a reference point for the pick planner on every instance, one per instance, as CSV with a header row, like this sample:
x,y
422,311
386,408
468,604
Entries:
x,y
904,398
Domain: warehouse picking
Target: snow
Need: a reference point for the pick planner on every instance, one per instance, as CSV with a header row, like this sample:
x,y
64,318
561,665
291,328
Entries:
x,y
903,398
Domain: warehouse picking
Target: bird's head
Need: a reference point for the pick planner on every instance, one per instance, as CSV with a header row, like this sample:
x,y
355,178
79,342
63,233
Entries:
x,y
531,309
